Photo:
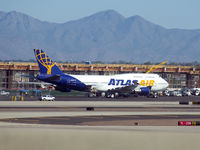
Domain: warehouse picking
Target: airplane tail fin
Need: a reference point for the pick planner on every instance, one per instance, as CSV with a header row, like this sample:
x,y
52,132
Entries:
x,y
46,65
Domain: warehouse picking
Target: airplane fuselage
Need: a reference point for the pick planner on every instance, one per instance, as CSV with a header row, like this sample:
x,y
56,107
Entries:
x,y
108,82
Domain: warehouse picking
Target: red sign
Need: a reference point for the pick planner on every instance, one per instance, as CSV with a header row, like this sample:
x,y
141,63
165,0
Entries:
x,y
186,123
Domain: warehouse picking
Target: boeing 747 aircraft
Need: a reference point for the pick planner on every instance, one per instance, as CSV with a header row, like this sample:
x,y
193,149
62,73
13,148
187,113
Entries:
x,y
98,85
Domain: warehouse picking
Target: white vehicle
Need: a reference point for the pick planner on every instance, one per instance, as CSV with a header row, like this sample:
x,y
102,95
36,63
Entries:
x,y
166,93
98,85
47,98
175,93
179,93
195,91
186,92
4,93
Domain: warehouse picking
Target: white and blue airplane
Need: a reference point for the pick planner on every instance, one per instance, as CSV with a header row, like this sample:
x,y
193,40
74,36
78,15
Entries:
x,y
101,85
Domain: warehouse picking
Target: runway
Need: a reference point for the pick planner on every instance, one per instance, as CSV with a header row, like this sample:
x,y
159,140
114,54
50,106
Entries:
x,y
67,112
120,124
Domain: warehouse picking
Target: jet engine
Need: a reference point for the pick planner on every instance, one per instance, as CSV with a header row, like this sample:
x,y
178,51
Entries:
x,y
145,91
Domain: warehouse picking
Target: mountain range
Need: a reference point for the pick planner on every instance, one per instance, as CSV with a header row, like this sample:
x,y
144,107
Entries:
x,y
105,36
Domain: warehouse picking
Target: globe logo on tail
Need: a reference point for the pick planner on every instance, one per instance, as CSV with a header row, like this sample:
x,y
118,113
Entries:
x,y
44,60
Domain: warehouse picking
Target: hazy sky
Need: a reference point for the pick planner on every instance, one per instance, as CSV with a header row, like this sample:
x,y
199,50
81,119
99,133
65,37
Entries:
x,y
168,13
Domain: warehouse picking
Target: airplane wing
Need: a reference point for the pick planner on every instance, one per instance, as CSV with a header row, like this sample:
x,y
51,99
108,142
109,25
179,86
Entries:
x,y
134,90
129,88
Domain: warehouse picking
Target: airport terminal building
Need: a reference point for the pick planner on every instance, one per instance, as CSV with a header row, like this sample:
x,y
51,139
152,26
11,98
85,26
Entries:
x,y
13,74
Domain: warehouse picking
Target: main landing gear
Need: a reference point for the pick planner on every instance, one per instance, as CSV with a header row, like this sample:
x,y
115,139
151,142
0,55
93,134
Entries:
x,y
111,94
104,94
